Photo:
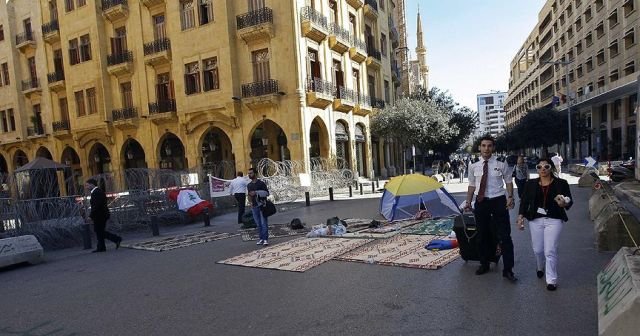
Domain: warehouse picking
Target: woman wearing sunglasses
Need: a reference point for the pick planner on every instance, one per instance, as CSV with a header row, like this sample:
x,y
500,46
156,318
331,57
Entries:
x,y
544,203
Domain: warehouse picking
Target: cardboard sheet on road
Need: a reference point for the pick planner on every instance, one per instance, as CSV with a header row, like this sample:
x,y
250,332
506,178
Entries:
x,y
296,255
178,241
402,250
275,231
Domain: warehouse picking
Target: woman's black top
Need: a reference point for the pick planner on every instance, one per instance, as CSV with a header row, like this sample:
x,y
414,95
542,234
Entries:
x,y
534,197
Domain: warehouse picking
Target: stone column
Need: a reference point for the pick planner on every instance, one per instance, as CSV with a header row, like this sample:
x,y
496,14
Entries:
x,y
624,111
609,139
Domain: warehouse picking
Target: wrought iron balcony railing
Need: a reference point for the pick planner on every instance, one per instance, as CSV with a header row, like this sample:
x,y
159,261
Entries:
x,y
35,130
377,103
314,16
106,4
162,106
372,3
364,100
321,86
24,37
55,76
124,113
262,88
358,43
50,27
62,125
375,53
346,94
339,31
123,57
30,84
157,46
254,18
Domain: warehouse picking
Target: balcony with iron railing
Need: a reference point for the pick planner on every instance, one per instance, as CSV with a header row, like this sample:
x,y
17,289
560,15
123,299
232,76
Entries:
x,y
25,41
35,131
50,32
374,59
61,127
126,117
320,92
339,38
30,86
371,9
261,94
162,106
120,63
364,105
345,100
255,25
377,103
114,10
56,80
358,49
157,52
314,25
356,4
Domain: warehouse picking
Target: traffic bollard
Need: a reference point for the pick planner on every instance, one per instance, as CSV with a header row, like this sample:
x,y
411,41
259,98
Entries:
x,y
307,198
86,236
207,220
350,191
155,231
377,183
331,193
373,187
361,191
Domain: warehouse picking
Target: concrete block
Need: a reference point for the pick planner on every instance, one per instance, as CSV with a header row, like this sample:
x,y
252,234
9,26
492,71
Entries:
x,y
588,178
598,201
619,295
611,233
19,249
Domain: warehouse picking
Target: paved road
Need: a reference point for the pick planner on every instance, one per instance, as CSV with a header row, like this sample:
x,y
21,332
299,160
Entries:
x,y
184,291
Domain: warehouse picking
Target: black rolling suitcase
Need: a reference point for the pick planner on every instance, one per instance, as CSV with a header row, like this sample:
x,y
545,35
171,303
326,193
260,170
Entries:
x,y
466,231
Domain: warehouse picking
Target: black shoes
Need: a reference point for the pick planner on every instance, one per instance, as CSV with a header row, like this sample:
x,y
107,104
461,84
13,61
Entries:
x,y
551,287
118,242
509,276
540,274
482,269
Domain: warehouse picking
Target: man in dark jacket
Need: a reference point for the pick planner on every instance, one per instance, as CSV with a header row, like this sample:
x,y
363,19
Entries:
x,y
99,215
258,193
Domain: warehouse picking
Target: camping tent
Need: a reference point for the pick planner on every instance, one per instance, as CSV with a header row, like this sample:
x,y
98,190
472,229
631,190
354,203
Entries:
x,y
405,195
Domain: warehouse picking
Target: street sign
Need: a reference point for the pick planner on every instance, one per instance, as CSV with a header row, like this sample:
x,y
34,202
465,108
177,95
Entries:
x,y
589,162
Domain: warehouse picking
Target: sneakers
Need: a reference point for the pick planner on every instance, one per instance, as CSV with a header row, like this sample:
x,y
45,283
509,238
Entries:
x,y
260,242
264,242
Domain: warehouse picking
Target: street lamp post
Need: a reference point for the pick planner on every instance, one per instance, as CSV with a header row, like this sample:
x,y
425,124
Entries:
x,y
566,63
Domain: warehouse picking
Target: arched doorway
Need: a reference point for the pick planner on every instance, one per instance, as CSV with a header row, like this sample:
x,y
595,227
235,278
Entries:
x,y
318,139
343,155
99,160
171,153
217,154
4,168
132,157
4,178
361,150
43,152
268,140
73,175
20,159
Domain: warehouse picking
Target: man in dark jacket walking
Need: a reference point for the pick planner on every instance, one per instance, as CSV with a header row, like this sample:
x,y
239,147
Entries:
x,y
99,215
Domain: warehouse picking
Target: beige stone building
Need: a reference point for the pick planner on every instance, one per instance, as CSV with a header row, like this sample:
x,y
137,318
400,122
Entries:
x,y
594,44
105,86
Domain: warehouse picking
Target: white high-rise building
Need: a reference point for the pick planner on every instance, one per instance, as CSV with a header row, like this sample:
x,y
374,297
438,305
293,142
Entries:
x,y
491,113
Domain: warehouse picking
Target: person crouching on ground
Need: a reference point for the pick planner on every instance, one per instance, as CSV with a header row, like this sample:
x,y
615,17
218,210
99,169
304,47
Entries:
x,y
258,193
544,203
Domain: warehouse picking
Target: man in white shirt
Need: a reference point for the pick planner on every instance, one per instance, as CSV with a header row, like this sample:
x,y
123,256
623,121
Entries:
x,y
238,188
487,178
557,161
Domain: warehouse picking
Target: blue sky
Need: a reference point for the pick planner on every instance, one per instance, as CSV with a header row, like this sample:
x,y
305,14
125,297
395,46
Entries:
x,y
470,43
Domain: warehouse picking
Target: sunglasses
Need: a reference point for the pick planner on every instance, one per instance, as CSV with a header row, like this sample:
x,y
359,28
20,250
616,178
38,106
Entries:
x,y
545,166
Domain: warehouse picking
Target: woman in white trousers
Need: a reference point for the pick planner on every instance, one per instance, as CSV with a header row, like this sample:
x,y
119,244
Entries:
x,y
544,203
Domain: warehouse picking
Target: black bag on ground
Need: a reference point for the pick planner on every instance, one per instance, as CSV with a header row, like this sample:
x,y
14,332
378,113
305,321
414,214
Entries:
x,y
296,224
268,209
467,234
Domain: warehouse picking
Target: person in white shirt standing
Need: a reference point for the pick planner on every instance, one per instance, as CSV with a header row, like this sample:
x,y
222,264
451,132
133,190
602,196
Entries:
x,y
487,178
238,188
557,162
